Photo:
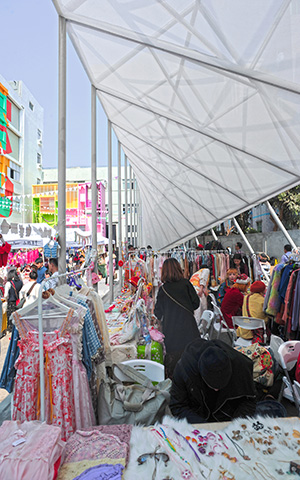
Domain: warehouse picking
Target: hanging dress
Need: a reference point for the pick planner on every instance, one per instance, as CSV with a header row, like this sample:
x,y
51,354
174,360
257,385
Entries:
x,y
59,394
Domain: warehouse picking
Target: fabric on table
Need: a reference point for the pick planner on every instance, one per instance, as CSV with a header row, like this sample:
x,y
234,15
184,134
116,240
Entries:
x,y
121,353
86,449
102,472
33,459
123,432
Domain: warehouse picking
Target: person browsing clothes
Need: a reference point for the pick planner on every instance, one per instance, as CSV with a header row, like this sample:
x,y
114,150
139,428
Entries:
x,y
175,304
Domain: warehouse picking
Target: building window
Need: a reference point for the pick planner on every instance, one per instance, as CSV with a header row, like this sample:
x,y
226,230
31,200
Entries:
x,y
14,143
38,181
39,134
15,172
17,204
31,106
15,116
259,226
128,184
39,159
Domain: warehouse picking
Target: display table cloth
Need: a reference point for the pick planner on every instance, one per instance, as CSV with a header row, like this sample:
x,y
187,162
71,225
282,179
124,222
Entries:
x,y
254,448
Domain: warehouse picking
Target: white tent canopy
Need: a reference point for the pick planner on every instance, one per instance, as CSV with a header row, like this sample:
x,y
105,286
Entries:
x,y
204,98
26,235
76,235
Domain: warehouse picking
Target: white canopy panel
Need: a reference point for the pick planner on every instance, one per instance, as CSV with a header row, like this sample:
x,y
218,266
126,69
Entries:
x,y
204,98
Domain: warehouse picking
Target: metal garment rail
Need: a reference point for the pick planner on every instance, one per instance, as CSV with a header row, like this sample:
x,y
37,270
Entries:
x,y
41,333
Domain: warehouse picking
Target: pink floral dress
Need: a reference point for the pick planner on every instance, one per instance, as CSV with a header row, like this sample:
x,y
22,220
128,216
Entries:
x,y
59,394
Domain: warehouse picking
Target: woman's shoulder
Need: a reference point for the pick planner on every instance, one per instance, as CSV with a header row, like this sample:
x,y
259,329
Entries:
x,y
185,281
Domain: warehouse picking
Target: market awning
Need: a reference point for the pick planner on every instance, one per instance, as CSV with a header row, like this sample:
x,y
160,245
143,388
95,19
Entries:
x,y
82,237
204,98
26,235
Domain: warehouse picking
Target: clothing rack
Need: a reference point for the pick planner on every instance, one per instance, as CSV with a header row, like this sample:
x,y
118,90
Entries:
x,y
184,252
41,334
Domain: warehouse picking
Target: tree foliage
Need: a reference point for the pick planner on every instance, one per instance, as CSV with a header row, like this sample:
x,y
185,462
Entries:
x,y
287,206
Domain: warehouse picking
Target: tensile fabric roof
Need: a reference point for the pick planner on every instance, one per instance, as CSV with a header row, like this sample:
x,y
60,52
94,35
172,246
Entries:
x,y
204,98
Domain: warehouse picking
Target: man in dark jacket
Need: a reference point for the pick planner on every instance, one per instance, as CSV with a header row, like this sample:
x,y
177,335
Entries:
x,y
212,382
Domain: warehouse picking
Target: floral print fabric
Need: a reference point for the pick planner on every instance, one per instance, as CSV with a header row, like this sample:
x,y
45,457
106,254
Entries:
x,y
59,395
86,449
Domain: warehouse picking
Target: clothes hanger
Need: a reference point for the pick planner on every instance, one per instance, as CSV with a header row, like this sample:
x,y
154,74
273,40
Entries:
x,y
71,303
33,307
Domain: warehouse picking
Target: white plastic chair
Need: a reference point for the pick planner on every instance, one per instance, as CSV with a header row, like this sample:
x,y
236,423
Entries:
x,y
248,323
153,370
219,323
206,324
275,343
288,354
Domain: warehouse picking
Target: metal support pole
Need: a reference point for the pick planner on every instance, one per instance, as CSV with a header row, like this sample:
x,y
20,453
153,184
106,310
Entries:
x,y
134,212
110,215
280,225
139,238
62,112
120,212
214,234
41,353
130,199
126,202
243,236
94,174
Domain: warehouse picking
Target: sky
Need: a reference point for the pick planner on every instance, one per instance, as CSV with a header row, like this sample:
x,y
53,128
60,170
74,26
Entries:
x,y
29,33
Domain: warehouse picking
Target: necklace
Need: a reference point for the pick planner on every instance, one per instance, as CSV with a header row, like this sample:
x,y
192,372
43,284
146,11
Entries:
x,y
163,436
263,470
248,470
188,473
238,448
196,454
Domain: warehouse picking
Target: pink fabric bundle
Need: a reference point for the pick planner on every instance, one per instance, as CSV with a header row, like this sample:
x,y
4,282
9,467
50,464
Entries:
x,y
29,450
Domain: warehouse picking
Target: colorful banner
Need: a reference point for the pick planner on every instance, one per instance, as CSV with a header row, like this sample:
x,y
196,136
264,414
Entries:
x,y
6,199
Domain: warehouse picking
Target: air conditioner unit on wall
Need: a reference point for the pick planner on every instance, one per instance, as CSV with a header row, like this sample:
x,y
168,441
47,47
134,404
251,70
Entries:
x,y
40,142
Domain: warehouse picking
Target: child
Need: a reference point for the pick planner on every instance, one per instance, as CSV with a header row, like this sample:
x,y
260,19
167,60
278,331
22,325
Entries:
x,y
231,276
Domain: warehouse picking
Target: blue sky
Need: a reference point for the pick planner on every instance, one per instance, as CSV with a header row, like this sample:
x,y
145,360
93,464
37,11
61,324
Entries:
x,y
29,37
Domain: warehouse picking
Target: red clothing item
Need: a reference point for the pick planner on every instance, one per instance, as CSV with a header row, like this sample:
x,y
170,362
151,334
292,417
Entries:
x,y
4,251
231,305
